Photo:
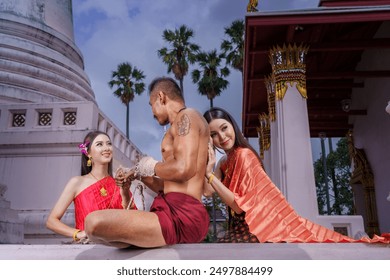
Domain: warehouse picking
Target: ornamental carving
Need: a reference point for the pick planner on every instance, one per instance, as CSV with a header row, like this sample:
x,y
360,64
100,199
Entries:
x,y
362,175
289,67
264,133
252,6
270,85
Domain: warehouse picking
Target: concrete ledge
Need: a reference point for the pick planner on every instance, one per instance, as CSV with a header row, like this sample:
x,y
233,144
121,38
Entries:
x,y
203,251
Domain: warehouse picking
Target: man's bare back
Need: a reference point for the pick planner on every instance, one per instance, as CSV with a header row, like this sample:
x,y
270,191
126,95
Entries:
x,y
189,132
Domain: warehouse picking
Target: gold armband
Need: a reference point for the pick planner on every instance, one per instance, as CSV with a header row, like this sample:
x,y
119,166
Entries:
x,y
211,178
75,235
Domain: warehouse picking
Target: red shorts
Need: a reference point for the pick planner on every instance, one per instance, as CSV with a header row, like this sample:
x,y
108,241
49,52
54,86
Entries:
x,y
183,219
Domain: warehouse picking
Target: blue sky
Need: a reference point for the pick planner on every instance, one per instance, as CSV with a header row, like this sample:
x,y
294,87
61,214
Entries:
x,y
111,32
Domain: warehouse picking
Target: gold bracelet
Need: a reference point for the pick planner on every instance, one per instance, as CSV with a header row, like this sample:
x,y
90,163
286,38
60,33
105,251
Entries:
x,y
75,235
210,180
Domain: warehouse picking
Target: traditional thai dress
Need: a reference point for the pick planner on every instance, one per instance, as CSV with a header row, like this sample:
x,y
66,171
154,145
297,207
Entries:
x,y
104,194
266,211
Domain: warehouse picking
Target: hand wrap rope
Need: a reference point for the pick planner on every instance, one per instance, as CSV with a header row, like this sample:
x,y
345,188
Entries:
x,y
145,167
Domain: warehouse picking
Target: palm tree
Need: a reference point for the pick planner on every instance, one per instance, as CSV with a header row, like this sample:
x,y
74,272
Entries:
x,y
233,49
128,81
181,53
210,78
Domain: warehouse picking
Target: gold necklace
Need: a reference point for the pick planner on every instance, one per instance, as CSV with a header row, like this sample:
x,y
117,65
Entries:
x,y
103,191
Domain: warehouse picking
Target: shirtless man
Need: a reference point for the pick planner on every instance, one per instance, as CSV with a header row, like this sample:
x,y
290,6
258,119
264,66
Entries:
x,y
177,214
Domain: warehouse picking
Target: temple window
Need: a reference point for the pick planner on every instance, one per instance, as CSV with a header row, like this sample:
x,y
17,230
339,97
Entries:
x,y
70,117
18,119
44,118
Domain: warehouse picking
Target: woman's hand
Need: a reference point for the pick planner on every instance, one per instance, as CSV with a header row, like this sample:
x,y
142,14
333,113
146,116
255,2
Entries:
x,y
82,237
123,178
211,158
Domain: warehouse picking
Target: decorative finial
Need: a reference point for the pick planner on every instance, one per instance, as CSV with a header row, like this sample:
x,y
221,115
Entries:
x,y
252,6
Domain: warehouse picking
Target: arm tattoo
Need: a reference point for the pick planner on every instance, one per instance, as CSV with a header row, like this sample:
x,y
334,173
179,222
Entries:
x,y
184,125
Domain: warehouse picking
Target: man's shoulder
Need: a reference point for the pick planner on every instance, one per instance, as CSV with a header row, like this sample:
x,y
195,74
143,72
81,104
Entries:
x,y
192,111
195,115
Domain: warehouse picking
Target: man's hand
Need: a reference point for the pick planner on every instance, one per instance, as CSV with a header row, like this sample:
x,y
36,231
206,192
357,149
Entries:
x,y
145,167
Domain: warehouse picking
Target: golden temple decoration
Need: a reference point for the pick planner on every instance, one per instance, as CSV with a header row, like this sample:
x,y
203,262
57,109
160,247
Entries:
x,y
288,67
252,6
363,175
264,133
270,85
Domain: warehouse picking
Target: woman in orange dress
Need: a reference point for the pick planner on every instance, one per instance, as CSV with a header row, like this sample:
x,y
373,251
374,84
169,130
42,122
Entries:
x,y
258,211
94,190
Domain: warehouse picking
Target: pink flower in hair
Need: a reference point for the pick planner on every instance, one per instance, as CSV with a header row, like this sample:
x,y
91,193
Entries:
x,y
84,147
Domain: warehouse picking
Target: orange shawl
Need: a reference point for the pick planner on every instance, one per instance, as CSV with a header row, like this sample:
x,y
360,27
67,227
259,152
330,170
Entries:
x,y
268,214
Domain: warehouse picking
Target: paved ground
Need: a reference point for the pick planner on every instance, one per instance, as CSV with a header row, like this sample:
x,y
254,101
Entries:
x,y
204,251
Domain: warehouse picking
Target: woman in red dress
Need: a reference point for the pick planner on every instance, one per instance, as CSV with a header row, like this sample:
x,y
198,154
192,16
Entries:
x,y
94,190
258,211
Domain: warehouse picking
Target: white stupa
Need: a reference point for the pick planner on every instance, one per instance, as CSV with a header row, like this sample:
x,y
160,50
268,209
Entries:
x,y
47,106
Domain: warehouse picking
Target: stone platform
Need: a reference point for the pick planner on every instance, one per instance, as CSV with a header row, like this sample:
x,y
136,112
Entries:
x,y
203,251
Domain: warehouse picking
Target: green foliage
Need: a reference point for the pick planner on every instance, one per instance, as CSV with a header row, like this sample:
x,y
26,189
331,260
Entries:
x,y
181,52
233,47
339,174
215,208
210,76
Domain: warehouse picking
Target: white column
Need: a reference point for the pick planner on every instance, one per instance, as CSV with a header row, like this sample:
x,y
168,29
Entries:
x,y
290,139
296,173
292,163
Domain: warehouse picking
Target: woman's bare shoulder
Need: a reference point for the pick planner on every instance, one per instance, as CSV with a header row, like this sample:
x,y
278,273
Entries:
x,y
77,181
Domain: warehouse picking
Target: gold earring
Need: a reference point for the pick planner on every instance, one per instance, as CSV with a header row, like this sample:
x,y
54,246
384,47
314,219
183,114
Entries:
x,y
89,161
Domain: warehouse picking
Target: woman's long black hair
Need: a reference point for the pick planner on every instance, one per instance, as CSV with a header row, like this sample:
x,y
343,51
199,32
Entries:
x,y
240,141
89,138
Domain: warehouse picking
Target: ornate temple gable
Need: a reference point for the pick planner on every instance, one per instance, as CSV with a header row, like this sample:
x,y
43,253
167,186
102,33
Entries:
x,y
352,3
336,37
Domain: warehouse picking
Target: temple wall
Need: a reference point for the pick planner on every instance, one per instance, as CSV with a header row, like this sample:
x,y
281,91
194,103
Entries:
x,y
38,157
39,61
372,132
55,14
47,106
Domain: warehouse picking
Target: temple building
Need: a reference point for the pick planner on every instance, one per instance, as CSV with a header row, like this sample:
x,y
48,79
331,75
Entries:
x,y
320,73
47,107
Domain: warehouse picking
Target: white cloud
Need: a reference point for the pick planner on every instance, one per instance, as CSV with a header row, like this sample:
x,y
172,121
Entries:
x,y
117,10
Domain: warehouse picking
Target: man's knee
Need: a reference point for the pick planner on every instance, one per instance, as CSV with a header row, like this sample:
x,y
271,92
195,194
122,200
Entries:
x,y
91,223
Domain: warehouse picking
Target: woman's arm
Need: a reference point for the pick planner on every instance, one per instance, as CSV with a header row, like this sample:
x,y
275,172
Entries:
x,y
54,220
207,188
213,182
224,193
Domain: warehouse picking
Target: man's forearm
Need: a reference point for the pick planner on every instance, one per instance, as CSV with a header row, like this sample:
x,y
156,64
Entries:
x,y
175,171
153,183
